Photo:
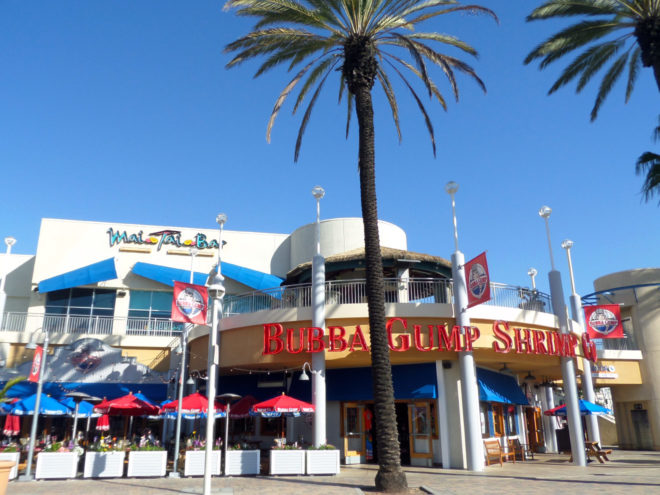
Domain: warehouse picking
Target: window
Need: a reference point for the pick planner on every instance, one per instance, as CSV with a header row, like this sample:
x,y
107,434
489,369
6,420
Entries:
x,y
498,421
510,418
150,304
483,416
81,302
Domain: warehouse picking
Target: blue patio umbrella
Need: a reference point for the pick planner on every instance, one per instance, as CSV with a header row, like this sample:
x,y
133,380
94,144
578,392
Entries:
x,y
85,409
586,409
47,407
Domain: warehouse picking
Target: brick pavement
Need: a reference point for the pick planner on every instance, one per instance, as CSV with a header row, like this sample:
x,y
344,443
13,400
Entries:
x,y
628,473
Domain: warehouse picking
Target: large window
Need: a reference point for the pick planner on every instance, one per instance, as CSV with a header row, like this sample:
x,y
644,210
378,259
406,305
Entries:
x,y
81,302
150,304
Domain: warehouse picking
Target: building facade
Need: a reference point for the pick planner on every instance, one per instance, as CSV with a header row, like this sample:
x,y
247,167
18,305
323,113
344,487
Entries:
x,y
103,293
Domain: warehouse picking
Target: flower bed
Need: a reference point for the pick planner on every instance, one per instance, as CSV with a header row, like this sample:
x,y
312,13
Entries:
x,y
146,463
108,464
287,461
242,462
195,462
12,457
56,465
322,461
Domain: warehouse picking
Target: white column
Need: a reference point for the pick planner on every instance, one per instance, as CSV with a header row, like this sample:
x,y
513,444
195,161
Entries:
x,y
318,320
9,241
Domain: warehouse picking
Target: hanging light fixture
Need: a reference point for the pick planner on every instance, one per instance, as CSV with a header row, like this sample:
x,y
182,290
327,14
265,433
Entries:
x,y
505,369
529,377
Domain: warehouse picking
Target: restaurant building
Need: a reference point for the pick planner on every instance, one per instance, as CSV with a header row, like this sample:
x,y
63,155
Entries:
x,y
103,292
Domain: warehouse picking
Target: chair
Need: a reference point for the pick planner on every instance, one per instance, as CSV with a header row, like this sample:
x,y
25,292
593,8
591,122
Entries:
x,y
594,450
493,451
521,449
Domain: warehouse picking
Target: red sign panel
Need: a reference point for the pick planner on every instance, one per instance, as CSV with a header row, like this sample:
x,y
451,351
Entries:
x,y
190,303
36,364
478,280
604,321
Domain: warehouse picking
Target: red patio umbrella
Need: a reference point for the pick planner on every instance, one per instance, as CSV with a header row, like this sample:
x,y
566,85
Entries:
x,y
242,408
192,404
12,425
103,423
283,404
128,405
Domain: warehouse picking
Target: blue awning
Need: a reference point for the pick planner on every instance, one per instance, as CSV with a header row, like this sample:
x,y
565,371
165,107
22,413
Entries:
x,y
90,274
496,387
167,275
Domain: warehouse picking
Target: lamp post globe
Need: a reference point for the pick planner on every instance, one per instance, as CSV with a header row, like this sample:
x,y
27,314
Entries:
x,y
451,187
545,212
318,192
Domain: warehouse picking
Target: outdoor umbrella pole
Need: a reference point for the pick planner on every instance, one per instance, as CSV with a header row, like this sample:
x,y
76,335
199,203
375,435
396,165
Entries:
x,y
75,422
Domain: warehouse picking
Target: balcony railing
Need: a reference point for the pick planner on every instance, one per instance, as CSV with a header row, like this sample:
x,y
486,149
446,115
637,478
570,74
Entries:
x,y
403,291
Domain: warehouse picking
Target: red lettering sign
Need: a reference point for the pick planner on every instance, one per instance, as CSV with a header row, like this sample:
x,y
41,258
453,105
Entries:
x,y
334,339
418,338
270,337
404,338
358,339
503,341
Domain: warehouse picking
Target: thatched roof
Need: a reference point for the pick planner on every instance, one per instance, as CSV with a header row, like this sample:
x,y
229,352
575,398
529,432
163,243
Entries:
x,y
388,254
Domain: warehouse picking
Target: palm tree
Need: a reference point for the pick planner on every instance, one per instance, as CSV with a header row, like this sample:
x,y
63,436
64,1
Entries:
x,y
8,385
359,40
622,33
649,163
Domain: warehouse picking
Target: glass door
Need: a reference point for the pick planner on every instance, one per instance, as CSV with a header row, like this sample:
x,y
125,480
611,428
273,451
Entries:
x,y
421,437
353,429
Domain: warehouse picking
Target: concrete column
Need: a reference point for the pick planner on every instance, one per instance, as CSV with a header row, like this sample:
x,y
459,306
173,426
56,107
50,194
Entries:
x,y
318,358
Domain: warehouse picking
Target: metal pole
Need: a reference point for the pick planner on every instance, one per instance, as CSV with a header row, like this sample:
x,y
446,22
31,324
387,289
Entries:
x,y
587,381
318,321
217,291
567,364
75,422
35,416
469,390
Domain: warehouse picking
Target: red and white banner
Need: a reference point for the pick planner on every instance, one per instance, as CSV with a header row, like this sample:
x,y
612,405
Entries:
x,y
190,303
36,364
478,280
604,321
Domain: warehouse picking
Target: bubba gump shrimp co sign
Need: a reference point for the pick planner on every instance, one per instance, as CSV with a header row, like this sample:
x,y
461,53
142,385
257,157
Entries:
x,y
425,338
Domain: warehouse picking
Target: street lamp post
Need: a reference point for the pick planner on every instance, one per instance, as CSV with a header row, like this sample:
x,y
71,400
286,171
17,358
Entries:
x,y
567,364
578,315
227,398
469,390
37,404
216,292
318,321
182,375
532,272
9,241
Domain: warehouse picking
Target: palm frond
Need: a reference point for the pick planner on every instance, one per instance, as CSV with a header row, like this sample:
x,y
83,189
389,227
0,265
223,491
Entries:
x,y
633,71
608,81
8,385
391,98
648,164
308,113
569,8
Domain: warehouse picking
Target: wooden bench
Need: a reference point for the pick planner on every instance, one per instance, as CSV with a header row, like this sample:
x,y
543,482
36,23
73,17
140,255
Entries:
x,y
594,450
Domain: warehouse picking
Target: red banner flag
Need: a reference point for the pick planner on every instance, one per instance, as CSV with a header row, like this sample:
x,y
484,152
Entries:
x,y
604,321
478,280
189,303
36,364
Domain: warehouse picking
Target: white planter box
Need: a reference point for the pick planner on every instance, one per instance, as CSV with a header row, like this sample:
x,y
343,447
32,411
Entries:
x,y
239,462
56,465
287,461
104,464
147,463
323,462
196,462
13,457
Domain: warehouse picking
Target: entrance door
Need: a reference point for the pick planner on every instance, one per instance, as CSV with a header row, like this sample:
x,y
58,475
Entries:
x,y
354,445
534,422
420,434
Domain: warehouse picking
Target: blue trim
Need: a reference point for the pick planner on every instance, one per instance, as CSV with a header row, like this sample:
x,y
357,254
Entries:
x,y
496,387
155,391
90,274
167,275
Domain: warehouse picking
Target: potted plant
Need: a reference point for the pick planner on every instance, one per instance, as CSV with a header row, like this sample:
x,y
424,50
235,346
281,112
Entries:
x,y
104,459
287,459
323,460
145,460
57,461
11,453
241,460
195,457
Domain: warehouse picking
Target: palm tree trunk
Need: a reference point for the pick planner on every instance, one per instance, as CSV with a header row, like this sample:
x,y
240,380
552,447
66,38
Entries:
x,y
390,477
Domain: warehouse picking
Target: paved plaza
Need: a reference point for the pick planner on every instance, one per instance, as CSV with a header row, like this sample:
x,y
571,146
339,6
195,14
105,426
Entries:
x,y
627,473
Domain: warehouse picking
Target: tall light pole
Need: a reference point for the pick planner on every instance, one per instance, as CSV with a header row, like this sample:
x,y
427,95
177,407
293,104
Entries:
x,y
37,404
532,272
217,293
182,375
318,321
578,315
469,390
567,364
9,242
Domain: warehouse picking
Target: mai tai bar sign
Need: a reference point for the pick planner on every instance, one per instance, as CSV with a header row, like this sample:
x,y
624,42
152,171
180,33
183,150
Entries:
x,y
425,338
160,239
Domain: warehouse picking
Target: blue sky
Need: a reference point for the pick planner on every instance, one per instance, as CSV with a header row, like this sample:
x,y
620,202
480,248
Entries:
x,y
123,111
